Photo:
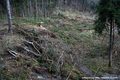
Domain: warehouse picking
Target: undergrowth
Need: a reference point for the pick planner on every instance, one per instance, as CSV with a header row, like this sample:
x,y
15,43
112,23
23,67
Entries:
x,y
74,37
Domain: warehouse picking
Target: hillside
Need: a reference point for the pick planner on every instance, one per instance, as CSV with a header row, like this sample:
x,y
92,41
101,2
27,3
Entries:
x,y
61,47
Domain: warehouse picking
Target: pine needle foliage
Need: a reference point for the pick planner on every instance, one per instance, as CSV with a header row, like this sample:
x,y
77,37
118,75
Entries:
x,y
107,10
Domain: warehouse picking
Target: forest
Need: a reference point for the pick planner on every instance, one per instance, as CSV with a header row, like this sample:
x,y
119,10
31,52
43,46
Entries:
x,y
59,39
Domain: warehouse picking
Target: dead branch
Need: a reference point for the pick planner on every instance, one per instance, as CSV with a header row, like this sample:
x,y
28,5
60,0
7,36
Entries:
x,y
23,31
13,53
31,43
26,49
59,60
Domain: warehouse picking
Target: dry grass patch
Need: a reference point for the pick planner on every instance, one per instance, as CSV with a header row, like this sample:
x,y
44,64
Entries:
x,y
11,41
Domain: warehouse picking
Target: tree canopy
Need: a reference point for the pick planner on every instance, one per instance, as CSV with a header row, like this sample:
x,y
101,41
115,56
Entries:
x,y
107,10
108,17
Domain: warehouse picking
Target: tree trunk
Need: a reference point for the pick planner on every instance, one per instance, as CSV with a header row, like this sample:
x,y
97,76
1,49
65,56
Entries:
x,y
111,43
31,8
36,10
9,16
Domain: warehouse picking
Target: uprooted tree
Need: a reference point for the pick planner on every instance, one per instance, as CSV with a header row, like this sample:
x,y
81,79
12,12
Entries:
x,y
108,18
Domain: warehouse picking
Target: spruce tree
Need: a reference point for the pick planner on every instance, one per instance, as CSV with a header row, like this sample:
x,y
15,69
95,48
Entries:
x,y
108,17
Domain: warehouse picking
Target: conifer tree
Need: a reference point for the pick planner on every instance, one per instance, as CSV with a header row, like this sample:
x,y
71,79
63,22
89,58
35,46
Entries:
x,y
108,17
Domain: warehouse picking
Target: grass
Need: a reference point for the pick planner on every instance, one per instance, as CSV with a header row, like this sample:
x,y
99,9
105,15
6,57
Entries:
x,y
98,65
76,34
22,75
12,41
69,69
70,31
